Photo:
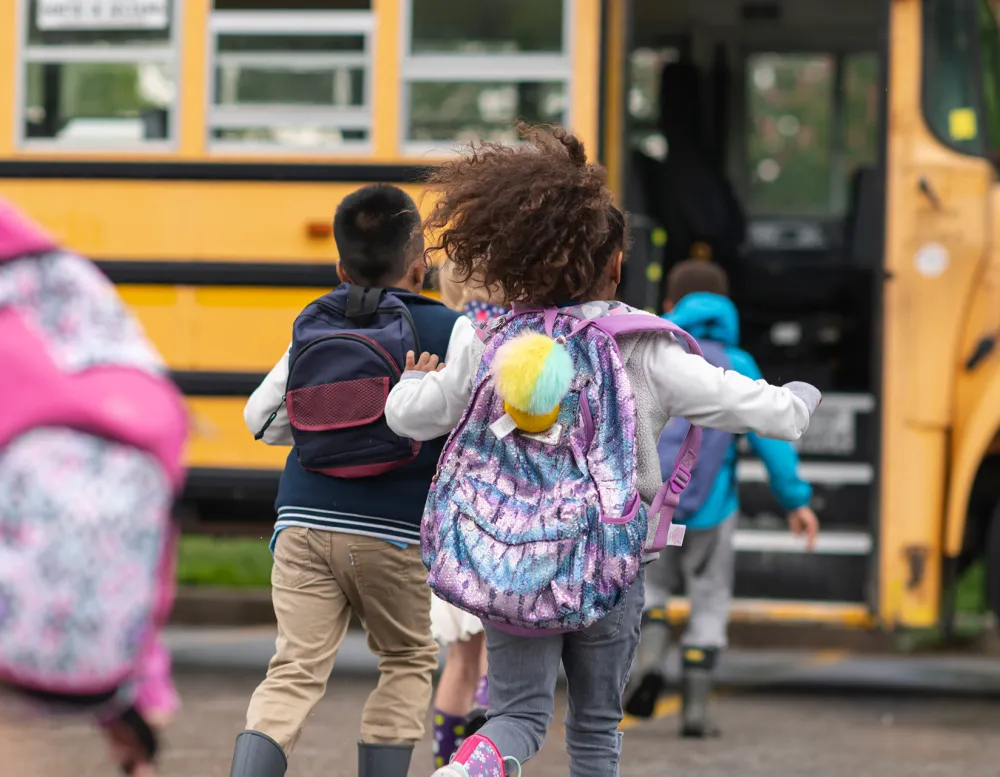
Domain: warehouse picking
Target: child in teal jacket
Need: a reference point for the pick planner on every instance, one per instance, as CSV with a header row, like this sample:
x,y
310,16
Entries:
x,y
697,302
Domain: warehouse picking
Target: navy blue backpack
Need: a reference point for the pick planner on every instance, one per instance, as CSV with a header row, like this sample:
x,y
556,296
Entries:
x,y
715,445
348,351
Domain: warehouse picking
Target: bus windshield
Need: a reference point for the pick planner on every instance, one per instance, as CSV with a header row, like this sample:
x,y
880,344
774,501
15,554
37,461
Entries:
x,y
962,75
989,36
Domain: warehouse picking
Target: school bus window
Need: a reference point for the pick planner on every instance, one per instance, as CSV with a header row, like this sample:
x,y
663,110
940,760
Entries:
x,y
861,112
989,35
291,79
98,81
499,27
954,78
789,113
454,111
812,124
513,60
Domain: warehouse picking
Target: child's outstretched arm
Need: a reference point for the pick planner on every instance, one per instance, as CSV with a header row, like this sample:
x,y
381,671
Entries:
x,y
267,399
425,405
688,386
781,461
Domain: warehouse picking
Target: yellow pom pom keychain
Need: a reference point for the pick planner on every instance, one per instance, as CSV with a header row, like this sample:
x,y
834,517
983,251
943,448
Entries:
x,y
532,374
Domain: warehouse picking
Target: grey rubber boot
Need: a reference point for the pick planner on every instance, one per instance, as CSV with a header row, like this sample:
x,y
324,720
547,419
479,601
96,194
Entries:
x,y
648,674
383,760
696,690
257,755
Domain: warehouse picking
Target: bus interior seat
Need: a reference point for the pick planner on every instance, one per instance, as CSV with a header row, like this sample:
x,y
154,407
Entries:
x,y
694,200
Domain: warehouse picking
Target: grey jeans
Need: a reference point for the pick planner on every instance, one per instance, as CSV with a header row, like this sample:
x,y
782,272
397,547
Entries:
x,y
523,673
705,563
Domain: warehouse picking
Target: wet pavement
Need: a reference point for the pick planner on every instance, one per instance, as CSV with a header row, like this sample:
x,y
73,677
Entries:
x,y
812,714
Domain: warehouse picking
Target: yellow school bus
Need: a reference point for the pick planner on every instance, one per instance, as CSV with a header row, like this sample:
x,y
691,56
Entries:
x,y
198,148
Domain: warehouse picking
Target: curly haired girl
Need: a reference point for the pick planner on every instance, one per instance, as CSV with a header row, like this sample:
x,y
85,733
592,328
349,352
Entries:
x,y
537,221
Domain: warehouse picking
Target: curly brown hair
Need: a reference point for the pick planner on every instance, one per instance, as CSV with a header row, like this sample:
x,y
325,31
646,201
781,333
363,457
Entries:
x,y
535,219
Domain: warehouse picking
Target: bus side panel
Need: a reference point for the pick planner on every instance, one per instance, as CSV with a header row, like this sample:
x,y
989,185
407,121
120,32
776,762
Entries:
x,y
977,390
221,440
925,302
263,221
219,328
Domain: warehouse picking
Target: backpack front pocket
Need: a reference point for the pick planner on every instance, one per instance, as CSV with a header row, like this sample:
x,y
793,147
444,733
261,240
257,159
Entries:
x,y
508,569
339,426
341,405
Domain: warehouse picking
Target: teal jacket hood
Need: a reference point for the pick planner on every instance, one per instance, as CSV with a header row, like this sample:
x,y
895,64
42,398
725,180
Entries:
x,y
708,316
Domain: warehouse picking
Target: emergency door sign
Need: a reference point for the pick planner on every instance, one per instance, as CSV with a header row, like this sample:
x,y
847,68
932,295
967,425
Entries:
x,y
101,14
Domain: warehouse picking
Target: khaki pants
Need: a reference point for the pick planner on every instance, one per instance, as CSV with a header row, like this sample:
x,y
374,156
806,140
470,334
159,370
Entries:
x,y
319,578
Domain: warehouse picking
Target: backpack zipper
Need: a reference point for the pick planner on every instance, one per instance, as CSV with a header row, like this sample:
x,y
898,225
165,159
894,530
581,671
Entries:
x,y
372,344
403,311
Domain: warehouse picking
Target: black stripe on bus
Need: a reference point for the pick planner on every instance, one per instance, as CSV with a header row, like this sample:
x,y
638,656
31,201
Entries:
x,y
191,273
228,490
197,383
212,171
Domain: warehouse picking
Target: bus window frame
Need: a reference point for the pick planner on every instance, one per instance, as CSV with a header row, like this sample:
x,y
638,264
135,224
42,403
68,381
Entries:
x,y
69,54
971,24
477,68
262,23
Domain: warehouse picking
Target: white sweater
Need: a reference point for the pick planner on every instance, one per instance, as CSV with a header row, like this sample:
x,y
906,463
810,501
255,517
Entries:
x,y
667,382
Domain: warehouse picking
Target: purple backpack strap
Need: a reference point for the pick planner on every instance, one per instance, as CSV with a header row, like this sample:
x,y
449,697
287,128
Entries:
x,y
669,495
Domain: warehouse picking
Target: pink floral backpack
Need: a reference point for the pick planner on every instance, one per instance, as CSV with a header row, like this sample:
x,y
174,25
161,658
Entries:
x,y
91,443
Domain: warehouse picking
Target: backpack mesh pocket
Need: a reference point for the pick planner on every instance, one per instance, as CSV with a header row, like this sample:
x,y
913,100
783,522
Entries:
x,y
340,405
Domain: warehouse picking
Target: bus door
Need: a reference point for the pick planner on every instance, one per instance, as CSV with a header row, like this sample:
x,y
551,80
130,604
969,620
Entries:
x,y
783,104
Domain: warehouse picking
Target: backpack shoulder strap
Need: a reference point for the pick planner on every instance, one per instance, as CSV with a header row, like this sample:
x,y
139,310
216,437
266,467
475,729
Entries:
x,y
669,496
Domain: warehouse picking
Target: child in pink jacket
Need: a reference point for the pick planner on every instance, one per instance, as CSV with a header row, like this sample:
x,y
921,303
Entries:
x,y
90,465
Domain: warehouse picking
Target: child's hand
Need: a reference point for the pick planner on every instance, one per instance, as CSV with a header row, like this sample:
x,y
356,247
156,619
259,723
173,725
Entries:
x,y
426,363
803,522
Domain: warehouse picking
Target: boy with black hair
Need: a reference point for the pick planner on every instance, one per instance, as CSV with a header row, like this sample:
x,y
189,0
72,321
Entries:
x,y
698,302
347,537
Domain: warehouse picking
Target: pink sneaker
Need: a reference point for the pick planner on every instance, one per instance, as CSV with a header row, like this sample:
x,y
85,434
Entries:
x,y
478,757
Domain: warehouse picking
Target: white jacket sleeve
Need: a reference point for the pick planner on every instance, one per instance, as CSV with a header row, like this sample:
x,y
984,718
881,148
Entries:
x,y
269,398
425,406
686,385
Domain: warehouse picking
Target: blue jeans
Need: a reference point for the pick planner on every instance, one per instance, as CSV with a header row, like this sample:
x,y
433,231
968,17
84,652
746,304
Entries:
x,y
523,673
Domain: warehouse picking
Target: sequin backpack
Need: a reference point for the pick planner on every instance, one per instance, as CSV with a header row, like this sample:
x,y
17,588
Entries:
x,y
91,444
544,532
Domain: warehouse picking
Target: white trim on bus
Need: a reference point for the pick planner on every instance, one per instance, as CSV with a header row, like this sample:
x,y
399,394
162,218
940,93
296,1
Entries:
x,y
827,543
291,22
835,473
465,68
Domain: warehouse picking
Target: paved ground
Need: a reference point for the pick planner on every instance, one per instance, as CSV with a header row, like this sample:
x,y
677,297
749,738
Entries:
x,y
820,714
